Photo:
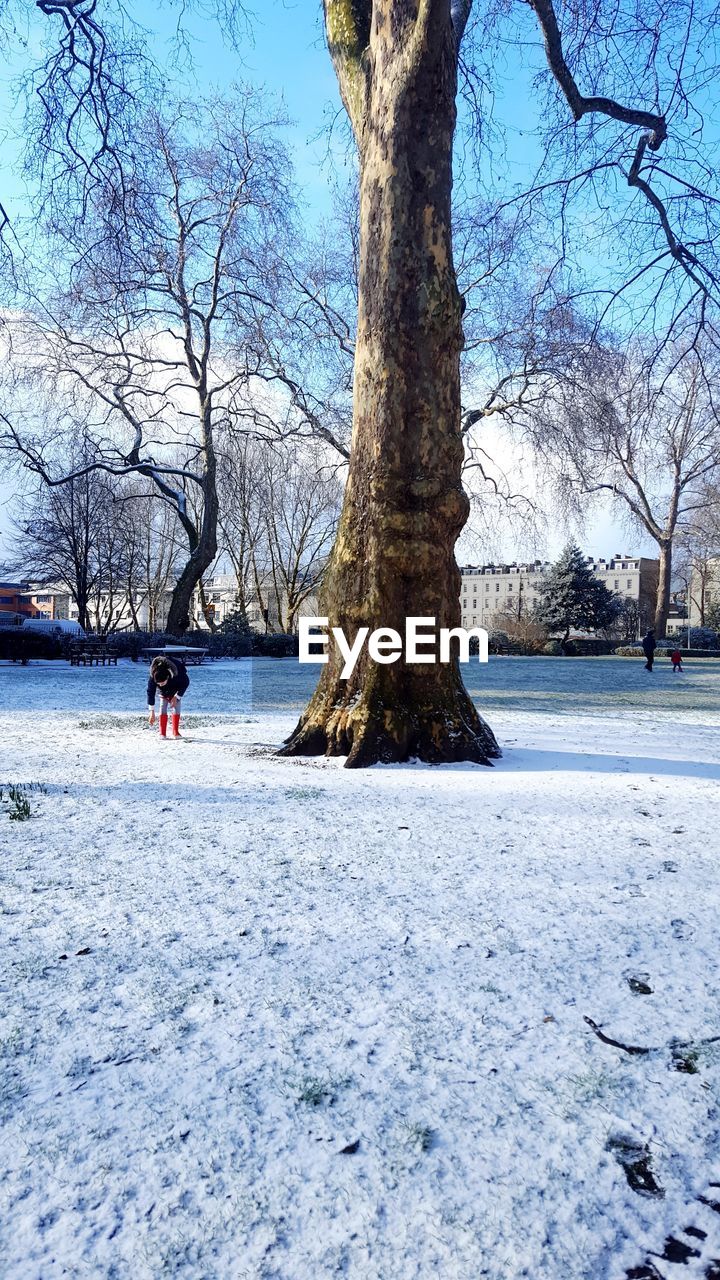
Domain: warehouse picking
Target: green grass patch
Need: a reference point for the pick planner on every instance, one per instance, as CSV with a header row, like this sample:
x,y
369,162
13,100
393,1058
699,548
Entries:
x,y
15,799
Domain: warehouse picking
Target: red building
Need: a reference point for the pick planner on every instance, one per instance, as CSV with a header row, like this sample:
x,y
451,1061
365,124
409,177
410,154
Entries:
x,y
18,600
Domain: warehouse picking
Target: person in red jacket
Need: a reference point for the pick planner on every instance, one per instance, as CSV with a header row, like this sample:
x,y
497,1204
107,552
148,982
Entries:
x,y
676,659
170,677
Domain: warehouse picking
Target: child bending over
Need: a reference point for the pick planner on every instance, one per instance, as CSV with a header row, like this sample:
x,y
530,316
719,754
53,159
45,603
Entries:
x,y
170,677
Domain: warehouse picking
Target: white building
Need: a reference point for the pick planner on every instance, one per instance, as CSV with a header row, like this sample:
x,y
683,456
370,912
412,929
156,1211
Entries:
x,y
704,590
62,606
221,597
515,588
262,607
486,590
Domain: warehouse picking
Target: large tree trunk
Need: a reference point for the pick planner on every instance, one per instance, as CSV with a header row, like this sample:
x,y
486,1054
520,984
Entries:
x,y
83,614
80,593
202,556
662,606
131,606
404,503
701,568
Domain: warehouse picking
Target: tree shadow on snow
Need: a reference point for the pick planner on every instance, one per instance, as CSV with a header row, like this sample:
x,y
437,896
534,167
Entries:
x,y
535,760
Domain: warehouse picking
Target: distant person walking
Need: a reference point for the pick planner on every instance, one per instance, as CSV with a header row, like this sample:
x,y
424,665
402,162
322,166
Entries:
x,y
170,677
676,659
649,645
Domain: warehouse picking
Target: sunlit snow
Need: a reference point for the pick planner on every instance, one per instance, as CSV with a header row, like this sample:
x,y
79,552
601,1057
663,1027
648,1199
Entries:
x,y
275,1019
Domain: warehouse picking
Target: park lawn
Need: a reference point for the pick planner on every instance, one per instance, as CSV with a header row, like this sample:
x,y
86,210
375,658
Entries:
x,y
271,1018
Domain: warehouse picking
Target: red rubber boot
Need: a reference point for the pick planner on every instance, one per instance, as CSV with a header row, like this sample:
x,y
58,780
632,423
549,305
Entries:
x,y
163,726
176,724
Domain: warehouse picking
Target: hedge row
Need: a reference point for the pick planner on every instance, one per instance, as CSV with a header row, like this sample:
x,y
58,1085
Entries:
x,y
664,650
585,647
20,644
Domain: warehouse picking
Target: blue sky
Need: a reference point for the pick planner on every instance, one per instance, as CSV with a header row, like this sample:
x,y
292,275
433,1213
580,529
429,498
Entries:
x,y
287,55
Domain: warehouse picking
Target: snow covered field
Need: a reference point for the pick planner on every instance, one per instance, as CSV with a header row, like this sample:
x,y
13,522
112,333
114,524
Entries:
x,y
272,1019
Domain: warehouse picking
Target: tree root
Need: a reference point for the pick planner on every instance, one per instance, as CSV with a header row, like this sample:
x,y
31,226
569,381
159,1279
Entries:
x,y
393,739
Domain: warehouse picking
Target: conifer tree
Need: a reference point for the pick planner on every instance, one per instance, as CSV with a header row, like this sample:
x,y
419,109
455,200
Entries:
x,y
573,597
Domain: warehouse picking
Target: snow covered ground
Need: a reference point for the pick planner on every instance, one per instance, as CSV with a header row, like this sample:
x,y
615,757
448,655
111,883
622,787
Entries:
x,y
272,1019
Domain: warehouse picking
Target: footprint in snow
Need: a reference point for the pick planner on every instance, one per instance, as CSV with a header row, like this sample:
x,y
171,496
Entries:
x,y
681,930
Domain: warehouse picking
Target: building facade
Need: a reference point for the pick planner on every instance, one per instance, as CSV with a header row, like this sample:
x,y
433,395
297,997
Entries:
x,y
18,600
704,590
492,589
263,609
486,592
221,599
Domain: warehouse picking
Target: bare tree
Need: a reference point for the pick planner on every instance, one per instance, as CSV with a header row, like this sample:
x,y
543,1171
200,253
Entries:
x,y
698,563
152,550
518,333
625,196
646,434
280,507
308,341
240,519
629,623
149,339
521,625
108,602
404,503
397,65
301,501
87,78
59,538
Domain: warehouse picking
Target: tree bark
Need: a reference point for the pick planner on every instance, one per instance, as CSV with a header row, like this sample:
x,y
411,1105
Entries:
x,y
662,606
131,605
202,556
203,543
404,503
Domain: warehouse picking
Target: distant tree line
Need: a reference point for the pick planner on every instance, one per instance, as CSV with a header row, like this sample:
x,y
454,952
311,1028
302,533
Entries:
x,y
117,546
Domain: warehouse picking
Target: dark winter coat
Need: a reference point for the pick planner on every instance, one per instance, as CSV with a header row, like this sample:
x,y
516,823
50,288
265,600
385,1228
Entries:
x,y
177,684
649,645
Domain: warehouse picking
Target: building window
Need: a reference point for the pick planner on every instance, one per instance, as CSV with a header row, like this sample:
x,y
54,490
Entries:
x,y
629,582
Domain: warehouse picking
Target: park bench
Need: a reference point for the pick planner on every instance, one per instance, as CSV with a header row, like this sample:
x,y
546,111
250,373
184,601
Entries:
x,y
92,651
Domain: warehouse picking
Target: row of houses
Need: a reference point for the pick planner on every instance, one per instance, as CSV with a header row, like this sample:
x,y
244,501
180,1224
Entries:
x,y
491,589
486,591
264,608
